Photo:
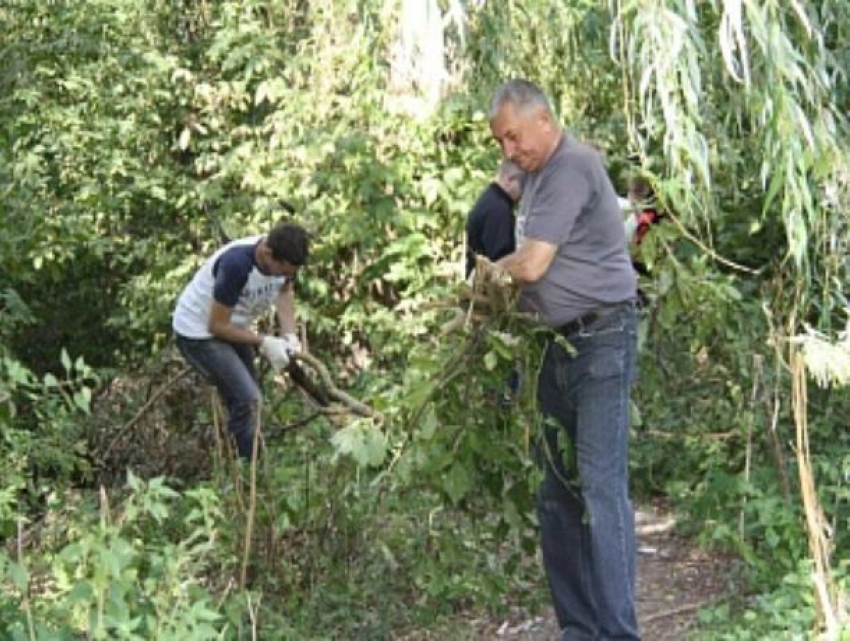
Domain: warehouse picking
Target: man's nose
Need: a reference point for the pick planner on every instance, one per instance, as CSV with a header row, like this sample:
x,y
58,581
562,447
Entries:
x,y
508,150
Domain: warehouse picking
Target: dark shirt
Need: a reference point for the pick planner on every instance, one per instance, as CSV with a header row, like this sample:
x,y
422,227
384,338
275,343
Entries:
x,y
490,226
231,272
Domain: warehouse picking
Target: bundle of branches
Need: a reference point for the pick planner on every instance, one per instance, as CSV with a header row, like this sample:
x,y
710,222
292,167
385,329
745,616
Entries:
x,y
489,293
314,382
483,341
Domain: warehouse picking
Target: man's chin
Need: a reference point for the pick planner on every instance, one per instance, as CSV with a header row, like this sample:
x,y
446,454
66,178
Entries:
x,y
522,164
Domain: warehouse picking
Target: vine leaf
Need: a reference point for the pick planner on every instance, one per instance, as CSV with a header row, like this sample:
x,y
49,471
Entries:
x,y
363,442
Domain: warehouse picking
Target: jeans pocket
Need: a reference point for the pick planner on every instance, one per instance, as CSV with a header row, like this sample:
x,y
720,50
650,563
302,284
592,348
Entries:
x,y
607,362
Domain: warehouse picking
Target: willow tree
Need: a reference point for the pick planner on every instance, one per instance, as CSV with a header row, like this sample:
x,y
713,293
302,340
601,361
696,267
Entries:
x,y
760,84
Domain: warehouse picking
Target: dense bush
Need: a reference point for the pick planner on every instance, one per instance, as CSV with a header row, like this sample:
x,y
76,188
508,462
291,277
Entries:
x,y
136,137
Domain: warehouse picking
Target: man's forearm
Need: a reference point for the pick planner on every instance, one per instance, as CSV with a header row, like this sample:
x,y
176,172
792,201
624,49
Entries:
x,y
233,334
221,326
519,267
530,262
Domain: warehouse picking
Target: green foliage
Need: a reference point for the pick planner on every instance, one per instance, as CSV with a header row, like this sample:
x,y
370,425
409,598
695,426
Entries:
x,y
447,445
121,573
136,137
363,441
91,174
43,422
785,612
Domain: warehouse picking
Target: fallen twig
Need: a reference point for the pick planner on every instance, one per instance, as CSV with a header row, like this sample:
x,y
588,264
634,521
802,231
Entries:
x,y
274,430
656,528
682,609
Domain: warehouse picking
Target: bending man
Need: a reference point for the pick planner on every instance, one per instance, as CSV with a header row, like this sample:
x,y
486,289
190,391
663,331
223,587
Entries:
x,y
214,314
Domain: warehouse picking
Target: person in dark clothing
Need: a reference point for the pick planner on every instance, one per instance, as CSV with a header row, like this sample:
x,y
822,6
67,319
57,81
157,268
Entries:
x,y
490,224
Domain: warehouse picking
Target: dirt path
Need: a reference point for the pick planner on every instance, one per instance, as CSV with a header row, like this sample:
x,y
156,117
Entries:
x,y
675,580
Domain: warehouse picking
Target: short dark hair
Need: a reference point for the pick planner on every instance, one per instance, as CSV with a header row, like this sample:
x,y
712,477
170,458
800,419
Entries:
x,y
289,242
641,187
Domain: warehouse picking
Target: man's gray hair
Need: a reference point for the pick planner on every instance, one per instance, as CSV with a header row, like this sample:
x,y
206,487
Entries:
x,y
509,169
521,93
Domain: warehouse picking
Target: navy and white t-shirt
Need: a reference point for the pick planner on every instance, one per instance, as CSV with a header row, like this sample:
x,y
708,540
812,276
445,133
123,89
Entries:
x,y
231,277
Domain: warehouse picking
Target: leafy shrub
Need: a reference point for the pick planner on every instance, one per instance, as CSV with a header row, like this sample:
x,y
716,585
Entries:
x,y
117,572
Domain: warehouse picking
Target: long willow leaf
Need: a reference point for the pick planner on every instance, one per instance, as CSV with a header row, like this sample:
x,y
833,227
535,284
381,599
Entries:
x,y
732,40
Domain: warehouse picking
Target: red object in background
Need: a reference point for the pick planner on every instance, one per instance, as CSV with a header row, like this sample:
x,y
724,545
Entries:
x,y
644,219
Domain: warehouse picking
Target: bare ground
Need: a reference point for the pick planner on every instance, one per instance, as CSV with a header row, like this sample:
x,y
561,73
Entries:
x,y
676,579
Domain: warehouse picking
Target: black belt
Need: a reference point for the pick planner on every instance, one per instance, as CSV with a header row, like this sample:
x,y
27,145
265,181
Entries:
x,y
591,317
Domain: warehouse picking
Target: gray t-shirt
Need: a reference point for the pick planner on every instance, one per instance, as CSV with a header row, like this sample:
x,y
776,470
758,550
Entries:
x,y
570,202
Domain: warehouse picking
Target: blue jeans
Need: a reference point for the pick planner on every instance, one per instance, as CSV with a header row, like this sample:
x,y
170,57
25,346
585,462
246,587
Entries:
x,y
230,367
586,517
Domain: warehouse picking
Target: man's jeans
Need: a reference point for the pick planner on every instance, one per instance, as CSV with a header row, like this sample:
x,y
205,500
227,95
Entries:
x,y
586,517
230,367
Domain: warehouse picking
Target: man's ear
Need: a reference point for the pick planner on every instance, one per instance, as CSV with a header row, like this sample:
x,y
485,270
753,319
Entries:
x,y
265,253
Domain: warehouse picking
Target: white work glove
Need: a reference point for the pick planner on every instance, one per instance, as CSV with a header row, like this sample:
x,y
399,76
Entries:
x,y
276,351
293,345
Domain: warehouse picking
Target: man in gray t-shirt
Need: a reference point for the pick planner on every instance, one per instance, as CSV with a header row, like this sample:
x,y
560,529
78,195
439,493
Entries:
x,y
574,272
570,204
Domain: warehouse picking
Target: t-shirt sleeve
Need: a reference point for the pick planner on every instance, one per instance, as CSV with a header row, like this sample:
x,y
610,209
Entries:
x,y
231,273
557,204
